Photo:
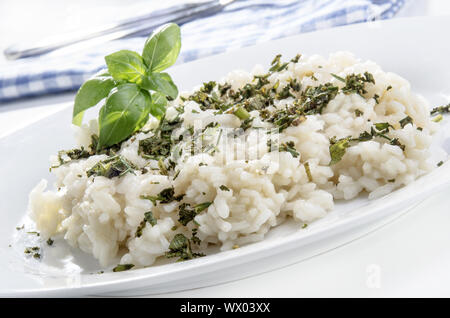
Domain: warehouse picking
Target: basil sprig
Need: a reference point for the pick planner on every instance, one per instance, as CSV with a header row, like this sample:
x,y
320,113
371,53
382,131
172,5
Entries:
x,y
132,88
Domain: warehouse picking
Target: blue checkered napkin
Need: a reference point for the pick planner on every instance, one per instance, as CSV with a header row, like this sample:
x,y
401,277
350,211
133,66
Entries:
x,y
240,24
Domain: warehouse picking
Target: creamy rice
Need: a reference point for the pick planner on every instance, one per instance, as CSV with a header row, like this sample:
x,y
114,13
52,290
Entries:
x,y
248,187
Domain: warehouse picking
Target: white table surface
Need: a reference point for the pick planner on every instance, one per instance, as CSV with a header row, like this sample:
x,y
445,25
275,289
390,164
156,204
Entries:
x,y
409,257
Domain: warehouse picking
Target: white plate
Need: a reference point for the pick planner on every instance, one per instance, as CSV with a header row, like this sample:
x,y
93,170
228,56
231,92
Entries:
x,y
412,47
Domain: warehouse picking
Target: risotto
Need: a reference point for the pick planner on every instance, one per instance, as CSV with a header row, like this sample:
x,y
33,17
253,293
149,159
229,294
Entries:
x,y
236,157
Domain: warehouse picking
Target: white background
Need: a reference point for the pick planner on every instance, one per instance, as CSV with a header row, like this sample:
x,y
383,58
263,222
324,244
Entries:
x,y
408,257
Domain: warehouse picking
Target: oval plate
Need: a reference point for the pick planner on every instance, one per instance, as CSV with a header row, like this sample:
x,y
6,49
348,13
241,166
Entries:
x,y
410,47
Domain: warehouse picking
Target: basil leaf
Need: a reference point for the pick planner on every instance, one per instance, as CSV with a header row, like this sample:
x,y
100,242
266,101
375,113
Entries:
x,y
159,103
162,48
160,82
126,65
125,111
90,94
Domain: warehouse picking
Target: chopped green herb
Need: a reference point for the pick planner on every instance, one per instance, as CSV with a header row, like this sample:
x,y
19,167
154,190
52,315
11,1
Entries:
x,y
180,246
123,267
338,77
160,144
224,188
116,166
202,206
194,238
148,217
405,121
34,251
241,113
277,66
187,213
308,171
337,149
289,147
438,118
440,110
358,113
440,163
50,241
377,98
315,99
396,142
165,196
296,58
355,83
73,154
208,87
383,127
364,136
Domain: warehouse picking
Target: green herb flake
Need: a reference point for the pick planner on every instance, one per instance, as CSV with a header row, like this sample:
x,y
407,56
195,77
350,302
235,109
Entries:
x,y
383,127
440,110
365,136
289,147
50,241
315,99
165,196
358,113
440,163
296,58
148,216
438,118
396,142
195,239
224,188
276,65
376,97
405,121
186,213
241,113
308,171
123,267
355,83
338,149
338,77
180,246
202,206
115,166
33,251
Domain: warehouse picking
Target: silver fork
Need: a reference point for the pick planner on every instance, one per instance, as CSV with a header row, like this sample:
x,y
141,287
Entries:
x,y
178,13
